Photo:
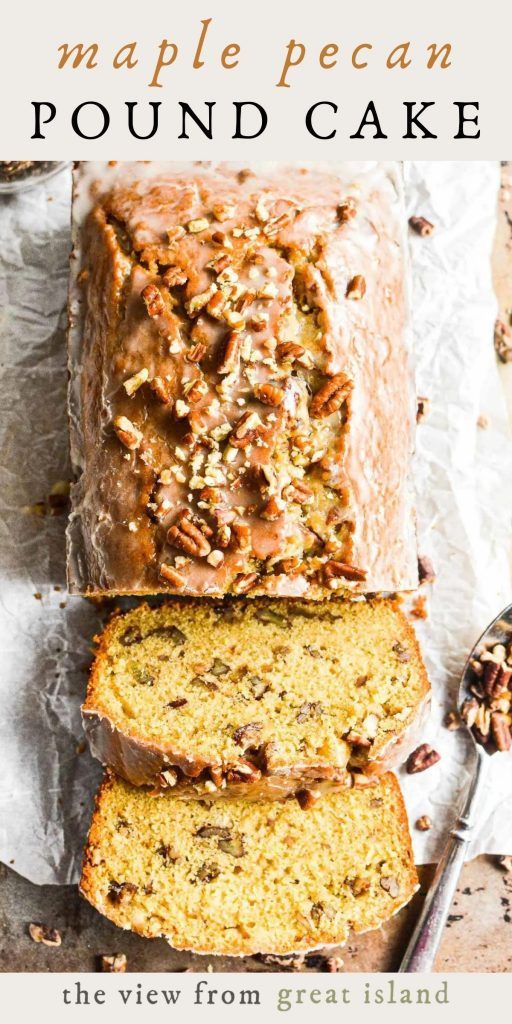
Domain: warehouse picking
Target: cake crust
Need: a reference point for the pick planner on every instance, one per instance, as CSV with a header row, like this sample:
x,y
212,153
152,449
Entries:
x,y
241,400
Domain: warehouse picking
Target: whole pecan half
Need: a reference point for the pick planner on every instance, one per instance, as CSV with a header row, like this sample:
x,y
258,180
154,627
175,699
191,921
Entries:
x,y
190,537
331,396
422,758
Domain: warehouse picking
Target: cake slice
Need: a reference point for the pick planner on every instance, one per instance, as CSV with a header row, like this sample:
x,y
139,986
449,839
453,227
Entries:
x,y
260,697
236,877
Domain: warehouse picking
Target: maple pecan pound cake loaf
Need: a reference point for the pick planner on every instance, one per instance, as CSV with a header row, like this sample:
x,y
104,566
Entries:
x,y
237,877
241,397
258,698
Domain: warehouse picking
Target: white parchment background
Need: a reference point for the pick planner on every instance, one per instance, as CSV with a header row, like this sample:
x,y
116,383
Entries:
x,y
464,486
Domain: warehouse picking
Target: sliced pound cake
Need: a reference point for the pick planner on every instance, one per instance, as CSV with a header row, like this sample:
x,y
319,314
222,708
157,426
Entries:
x,y
236,877
262,696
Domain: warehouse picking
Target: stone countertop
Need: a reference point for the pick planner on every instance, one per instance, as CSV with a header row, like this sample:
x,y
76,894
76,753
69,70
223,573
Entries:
x,y
478,935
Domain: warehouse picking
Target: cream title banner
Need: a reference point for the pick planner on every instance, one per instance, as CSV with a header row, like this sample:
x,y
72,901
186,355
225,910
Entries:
x,y
216,79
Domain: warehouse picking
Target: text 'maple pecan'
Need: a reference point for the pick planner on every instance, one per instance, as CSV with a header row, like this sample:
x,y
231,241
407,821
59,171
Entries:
x,y
254,304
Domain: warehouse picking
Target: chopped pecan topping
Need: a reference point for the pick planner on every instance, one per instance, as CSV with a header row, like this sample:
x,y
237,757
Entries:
x,y
337,570
196,353
288,351
127,433
134,383
421,226
270,394
299,492
153,300
171,575
189,536
174,277
198,225
422,758
356,288
162,389
42,933
242,532
230,361
216,305
248,428
199,301
331,396
273,509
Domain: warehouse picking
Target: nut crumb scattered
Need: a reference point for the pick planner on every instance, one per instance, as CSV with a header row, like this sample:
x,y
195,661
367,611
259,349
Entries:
x,y
424,823
115,964
42,933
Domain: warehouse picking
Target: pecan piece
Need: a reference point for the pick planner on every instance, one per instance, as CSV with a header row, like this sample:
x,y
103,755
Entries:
x,y
196,353
245,582
243,771
230,361
134,383
307,798
422,408
248,428
336,570
270,394
127,433
171,575
503,341
42,933
115,964
426,571
299,492
331,396
213,832
188,536
153,300
390,885
121,892
422,758
346,210
310,709
174,277
421,226
356,287
289,351
273,509
245,735
500,730
161,388
424,824
242,532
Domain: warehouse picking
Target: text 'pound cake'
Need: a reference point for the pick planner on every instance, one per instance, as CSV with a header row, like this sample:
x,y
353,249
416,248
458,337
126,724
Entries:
x,y
236,877
241,401
265,696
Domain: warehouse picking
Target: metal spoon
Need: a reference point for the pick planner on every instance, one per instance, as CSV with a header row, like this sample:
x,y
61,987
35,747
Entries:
x,y
425,939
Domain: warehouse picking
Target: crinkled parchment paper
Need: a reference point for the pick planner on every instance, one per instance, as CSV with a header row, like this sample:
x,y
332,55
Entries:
x,y
464,485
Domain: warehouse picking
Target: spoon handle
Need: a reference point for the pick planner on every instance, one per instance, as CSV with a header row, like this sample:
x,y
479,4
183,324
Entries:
x,y
423,945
